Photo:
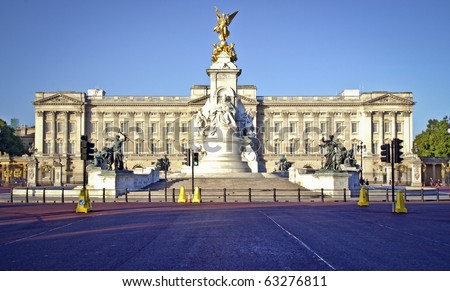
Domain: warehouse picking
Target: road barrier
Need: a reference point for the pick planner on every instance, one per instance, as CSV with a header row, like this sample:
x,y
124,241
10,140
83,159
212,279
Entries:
x,y
227,195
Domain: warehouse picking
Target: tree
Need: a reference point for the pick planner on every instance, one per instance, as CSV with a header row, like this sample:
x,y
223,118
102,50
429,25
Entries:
x,y
9,142
435,140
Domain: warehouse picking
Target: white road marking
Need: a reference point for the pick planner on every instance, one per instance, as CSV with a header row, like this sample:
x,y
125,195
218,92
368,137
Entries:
x,y
300,241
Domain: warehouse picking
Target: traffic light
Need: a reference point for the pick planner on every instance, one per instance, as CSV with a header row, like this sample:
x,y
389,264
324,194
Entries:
x,y
187,157
195,159
159,164
87,149
397,144
166,164
386,153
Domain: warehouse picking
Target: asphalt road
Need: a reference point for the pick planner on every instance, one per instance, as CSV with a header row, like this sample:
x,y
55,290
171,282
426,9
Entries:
x,y
218,236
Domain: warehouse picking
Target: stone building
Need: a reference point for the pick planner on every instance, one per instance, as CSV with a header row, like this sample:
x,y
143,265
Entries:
x,y
159,125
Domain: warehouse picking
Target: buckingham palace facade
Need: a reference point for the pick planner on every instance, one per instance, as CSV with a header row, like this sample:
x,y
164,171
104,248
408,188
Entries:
x,y
293,126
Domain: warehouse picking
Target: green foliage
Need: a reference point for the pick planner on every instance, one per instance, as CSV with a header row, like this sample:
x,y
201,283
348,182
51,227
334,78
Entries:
x,y
435,140
10,143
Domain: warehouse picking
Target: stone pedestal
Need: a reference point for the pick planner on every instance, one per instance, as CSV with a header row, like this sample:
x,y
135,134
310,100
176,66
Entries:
x,y
222,155
57,174
32,165
332,182
416,177
118,181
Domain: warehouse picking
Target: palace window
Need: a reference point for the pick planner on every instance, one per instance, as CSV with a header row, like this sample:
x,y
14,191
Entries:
x,y
374,127
59,126
47,127
72,127
71,148
47,147
292,148
124,127
354,127
398,126
292,127
154,127
387,127
94,126
59,148
323,127
138,146
339,127
308,127
277,149
184,127
138,128
277,127
169,148
308,148
154,148
375,148
169,126
108,127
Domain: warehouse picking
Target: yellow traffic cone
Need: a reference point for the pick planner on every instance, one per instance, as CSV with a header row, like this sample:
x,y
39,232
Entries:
x,y
182,196
197,198
400,203
363,200
84,203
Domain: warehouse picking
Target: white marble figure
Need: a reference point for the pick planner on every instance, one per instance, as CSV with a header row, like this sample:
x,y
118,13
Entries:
x,y
223,115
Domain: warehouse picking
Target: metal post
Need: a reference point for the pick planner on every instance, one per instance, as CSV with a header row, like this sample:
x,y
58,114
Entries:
x,y
149,195
345,195
437,196
298,194
62,195
43,196
165,193
274,195
26,196
321,195
392,177
173,194
192,172
421,194
224,194
11,194
104,195
387,195
249,194
126,195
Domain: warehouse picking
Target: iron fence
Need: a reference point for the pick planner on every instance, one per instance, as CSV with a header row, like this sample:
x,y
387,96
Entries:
x,y
71,195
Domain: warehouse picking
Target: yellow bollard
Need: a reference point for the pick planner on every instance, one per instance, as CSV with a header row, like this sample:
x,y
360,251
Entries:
x,y
197,198
400,203
363,201
182,196
84,203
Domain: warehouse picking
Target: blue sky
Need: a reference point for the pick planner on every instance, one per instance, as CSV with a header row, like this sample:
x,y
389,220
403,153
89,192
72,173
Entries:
x,y
284,47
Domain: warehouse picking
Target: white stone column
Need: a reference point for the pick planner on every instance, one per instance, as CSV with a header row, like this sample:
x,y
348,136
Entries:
x,y
408,132
146,137
100,133
40,132
301,142
66,140
381,130
162,131
394,124
54,131
365,132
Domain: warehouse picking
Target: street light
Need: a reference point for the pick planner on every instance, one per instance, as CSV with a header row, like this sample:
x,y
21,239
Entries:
x,y
360,148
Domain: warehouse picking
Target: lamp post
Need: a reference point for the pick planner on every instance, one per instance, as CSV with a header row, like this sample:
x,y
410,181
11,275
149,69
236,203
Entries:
x,y
360,148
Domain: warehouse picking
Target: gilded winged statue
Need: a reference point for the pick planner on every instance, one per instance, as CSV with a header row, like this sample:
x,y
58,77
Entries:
x,y
223,21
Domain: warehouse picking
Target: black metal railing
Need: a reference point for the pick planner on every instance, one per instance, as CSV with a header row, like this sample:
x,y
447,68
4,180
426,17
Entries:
x,y
71,195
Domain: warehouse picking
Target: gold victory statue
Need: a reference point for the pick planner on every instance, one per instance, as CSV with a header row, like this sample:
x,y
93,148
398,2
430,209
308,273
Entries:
x,y
223,21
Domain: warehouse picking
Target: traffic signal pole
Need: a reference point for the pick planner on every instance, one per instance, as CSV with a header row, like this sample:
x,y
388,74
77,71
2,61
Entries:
x,y
192,167
392,177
